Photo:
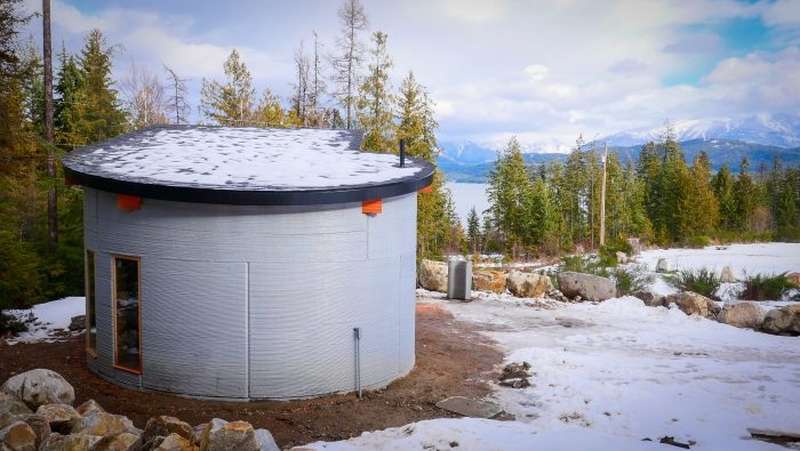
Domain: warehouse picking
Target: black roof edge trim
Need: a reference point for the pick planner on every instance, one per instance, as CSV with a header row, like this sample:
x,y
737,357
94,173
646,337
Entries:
x,y
328,195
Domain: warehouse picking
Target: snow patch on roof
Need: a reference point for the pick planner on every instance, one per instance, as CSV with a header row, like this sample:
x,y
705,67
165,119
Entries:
x,y
253,159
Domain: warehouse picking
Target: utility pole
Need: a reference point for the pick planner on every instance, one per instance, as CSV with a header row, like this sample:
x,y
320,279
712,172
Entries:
x,y
603,198
52,205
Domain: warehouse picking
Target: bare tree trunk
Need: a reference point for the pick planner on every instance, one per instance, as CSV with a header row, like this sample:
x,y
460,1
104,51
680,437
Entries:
x,y
52,204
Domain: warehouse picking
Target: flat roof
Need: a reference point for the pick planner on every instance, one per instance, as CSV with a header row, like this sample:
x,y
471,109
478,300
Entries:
x,y
245,166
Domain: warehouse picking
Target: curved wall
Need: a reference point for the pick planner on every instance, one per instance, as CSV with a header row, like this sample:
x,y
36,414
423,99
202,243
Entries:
x,y
259,302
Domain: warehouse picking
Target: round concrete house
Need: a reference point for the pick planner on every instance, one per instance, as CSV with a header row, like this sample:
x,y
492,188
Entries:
x,y
245,263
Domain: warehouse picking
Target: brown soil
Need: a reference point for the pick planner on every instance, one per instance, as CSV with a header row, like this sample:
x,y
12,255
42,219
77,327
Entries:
x,y
452,359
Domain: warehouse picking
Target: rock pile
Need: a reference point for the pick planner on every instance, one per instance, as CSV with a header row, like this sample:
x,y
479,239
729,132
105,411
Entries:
x,y
36,413
516,375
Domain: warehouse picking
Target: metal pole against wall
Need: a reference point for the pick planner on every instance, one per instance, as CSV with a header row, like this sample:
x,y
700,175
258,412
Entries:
x,y
357,349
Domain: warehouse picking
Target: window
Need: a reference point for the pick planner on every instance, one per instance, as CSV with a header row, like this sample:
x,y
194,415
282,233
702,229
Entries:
x,y
91,318
127,308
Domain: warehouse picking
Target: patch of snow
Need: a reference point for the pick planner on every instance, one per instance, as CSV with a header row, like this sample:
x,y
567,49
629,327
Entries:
x,y
52,318
227,158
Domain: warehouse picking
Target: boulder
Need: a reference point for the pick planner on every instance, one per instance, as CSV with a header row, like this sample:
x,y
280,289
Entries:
x,y
265,441
783,321
58,416
649,299
116,442
622,258
88,407
10,404
40,427
726,275
433,275
528,285
636,245
72,442
77,323
793,278
220,435
102,423
493,281
18,436
693,303
587,286
662,265
38,387
745,315
176,442
163,426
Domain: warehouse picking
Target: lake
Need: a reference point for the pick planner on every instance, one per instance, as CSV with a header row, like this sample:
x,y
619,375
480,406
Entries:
x,y
466,196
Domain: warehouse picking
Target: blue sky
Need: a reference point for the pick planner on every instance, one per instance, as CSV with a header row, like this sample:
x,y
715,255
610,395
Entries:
x,y
545,71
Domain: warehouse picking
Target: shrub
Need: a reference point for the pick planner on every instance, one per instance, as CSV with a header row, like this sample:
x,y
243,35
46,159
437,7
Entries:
x,y
700,280
573,263
698,242
608,252
13,324
767,287
632,278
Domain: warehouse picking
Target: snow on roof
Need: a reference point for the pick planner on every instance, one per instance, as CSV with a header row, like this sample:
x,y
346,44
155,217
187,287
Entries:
x,y
224,158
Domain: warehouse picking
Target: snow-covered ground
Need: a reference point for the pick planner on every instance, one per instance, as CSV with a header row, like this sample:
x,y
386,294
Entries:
x,y
609,376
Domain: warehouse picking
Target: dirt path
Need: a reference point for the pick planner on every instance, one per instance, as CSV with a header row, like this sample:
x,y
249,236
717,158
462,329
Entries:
x,y
452,358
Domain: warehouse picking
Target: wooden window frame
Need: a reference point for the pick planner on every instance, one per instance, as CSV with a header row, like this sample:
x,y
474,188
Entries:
x,y
138,260
91,301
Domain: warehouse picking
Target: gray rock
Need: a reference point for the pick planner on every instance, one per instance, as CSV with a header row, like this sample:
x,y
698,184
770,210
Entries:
x,y
77,323
726,275
58,416
102,423
693,303
10,404
587,286
622,258
783,321
38,387
18,436
220,435
649,299
163,426
528,285
662,265
433,275
745,315
265,440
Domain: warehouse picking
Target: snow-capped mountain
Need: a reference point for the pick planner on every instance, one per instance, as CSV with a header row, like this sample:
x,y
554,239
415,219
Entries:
x,y
781,130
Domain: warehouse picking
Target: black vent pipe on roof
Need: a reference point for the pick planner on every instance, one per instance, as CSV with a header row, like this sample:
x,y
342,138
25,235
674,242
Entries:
x,y
402,153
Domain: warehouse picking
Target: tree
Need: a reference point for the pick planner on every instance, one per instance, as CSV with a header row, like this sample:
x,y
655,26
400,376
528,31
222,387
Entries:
x,y
347,62
700,204
270,113
145,98
437,224
316,89
376,103
232,103
300,98
99,114
177,105
723,185
473,231
70,82
508,190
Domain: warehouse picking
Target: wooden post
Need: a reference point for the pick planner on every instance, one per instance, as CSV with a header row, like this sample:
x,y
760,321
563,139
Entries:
x,y
603,199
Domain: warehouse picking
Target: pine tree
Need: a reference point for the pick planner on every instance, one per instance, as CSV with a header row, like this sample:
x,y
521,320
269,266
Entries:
x,y
69,83
233,103
473,231
376,103
723,185
700,204
32,72
270,113
98,112
508,190
347,62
